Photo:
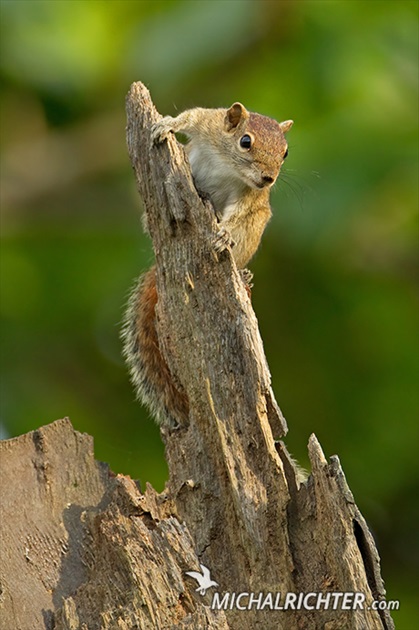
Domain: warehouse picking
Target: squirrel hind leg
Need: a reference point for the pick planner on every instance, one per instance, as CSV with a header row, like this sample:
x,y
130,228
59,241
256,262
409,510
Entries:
x,y
150,374
247,277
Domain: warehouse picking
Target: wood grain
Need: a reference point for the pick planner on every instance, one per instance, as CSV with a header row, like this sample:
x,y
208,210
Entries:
x,y
81,548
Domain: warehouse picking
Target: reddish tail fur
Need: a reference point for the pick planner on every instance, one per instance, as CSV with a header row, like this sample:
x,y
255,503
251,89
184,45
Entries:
x,y
150,374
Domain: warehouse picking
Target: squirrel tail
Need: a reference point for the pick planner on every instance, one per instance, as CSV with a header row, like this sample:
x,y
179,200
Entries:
x,y
150,374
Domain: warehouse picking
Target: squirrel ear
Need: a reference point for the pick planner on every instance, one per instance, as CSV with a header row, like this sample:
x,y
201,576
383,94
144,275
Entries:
x,y
286,125
234,115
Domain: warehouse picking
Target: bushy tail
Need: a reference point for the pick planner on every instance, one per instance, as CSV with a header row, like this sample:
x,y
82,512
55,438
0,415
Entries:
x,y
150,374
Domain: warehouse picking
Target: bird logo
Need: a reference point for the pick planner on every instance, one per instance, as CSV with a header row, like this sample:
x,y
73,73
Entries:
x,y
204,579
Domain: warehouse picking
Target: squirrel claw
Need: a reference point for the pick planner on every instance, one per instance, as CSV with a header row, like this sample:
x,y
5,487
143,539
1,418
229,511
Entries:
x,y
222,240
247,277
161,130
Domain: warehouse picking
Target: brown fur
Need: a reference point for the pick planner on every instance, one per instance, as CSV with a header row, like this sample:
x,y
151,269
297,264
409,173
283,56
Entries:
x,y
238,181
150,374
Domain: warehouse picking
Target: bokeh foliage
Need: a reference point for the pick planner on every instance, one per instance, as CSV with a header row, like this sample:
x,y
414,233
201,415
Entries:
x,y
335,290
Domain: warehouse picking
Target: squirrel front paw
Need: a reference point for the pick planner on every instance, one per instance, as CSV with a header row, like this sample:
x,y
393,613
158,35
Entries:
x,y
222,240
161,130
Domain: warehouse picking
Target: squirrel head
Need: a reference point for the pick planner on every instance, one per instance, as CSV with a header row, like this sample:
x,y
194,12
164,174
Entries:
x,y
260,144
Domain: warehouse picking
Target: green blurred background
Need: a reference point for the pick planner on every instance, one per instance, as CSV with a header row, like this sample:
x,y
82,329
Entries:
x,y
335,278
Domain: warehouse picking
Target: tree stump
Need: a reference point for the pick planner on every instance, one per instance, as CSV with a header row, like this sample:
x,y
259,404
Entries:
x,y
82,548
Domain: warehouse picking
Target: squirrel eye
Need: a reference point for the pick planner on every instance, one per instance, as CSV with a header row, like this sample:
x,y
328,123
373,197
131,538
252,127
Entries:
x,y
245,141
285,154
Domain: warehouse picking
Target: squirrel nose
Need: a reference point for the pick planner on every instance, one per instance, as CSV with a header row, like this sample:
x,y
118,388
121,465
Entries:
x,y
267,179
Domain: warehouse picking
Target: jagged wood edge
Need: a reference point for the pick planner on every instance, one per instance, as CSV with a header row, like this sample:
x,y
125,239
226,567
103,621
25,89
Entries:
x,y
175,212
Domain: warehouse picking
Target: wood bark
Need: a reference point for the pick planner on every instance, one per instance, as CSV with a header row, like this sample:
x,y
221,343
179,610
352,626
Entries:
x,y
85,549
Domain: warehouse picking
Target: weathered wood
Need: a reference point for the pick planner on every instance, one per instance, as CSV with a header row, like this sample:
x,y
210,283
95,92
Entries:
x,y
242,501
85,549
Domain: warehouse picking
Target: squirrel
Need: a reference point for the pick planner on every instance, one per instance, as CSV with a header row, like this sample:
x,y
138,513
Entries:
x,y
235,157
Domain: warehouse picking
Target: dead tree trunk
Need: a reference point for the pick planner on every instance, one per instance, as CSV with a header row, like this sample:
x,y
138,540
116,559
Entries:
x,y
85,550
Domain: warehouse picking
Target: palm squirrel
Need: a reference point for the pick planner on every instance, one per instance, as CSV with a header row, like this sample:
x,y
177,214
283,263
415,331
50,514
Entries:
x,y
235,158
